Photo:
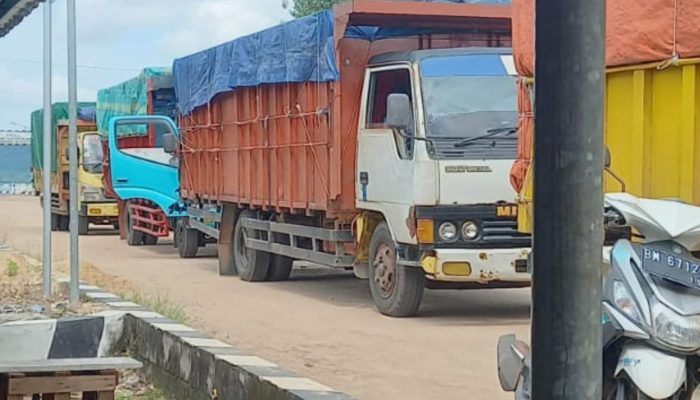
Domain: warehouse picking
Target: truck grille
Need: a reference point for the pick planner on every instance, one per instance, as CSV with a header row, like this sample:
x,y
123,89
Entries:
x,y
503,233
496,232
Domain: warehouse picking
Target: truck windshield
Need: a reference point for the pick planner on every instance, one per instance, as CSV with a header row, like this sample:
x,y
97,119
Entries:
x,y
466,96
92,154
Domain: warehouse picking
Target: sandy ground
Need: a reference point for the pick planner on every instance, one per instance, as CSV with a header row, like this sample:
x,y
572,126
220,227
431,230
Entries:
x,y
320,324
21,298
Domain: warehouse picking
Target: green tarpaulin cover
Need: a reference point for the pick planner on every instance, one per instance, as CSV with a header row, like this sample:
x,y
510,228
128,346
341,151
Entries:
x,y
59,111
131,98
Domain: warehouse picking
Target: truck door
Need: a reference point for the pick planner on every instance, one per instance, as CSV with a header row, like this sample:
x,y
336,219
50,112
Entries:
x,y
384,180
145,172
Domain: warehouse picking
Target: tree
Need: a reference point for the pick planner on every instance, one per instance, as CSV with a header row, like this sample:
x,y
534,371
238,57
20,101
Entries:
x,y
302,8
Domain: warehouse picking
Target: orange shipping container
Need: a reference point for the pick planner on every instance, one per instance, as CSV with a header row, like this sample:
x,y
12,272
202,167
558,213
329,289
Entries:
x,y
637,32
291,147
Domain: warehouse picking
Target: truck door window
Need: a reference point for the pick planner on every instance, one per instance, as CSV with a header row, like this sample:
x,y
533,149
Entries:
x,y
92,154
136,135
382,84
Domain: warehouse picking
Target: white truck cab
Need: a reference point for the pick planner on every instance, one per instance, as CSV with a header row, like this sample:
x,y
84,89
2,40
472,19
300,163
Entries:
x,y
437,138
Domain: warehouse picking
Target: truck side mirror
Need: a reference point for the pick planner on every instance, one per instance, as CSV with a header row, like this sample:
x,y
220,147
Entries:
x,y
608,159
398,111
170,143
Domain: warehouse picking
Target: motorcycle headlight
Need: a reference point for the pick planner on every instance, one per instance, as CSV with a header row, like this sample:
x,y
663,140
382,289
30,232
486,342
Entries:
x,y
673,329
470,230
625,302
448,231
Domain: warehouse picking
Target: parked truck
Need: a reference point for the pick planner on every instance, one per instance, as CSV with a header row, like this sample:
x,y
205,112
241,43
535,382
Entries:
x,y
376,137
651,119
149,93
94,208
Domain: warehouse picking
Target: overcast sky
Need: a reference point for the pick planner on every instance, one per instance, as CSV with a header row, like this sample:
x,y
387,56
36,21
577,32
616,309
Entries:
x,y
116,39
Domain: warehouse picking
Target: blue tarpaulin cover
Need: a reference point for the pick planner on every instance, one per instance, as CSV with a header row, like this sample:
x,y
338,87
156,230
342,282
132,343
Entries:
x,y
301,50
131,98
297,51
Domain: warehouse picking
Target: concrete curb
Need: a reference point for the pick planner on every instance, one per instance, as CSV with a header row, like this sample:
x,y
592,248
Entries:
x,y
190,365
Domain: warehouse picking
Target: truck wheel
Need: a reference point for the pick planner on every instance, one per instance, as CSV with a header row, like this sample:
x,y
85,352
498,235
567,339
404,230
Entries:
x,y
83,225
280,268
188,240
252,264
54,221
397,291
150,240
133,237
63,223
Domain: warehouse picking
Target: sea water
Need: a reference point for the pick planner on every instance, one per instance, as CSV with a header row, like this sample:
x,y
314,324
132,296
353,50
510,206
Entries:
x,y
15,170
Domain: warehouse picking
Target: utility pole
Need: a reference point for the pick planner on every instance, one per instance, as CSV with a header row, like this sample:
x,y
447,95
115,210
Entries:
x,y
74,297
46,162
568,161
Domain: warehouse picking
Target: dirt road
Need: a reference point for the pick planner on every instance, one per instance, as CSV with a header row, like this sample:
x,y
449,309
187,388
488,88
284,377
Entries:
x,y
320,324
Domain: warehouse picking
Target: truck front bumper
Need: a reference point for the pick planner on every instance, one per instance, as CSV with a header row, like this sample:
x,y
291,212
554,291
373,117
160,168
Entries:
x,y
101,210
488,267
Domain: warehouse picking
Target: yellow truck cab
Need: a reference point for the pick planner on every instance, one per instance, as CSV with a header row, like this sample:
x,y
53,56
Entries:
x,y
94,208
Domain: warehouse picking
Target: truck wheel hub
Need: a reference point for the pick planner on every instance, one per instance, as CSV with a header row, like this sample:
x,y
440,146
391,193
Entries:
x,y
385,270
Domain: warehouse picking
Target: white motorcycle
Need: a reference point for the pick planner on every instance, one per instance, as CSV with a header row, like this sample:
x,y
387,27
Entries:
x,y
651,305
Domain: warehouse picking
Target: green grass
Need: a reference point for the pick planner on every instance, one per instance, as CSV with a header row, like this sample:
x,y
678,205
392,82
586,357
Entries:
x,y
159,304
150,394
11,269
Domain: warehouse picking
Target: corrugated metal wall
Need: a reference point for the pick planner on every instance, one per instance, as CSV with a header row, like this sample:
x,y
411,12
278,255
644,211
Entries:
x,y
652,130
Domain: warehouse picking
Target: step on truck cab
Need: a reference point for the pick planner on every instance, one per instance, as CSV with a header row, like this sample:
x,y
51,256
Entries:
x,y
387,151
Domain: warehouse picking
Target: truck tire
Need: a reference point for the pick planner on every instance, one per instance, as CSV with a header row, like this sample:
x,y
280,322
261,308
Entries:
x,y
252,264
83,225
63,223
54,221
149,240
187,239
133,237
397,290
280,268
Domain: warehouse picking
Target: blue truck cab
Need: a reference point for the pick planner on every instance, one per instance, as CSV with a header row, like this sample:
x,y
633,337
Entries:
x,y
148,180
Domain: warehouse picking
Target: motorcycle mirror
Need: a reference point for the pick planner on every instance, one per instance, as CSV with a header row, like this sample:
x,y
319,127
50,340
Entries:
x,y
608,159
510,364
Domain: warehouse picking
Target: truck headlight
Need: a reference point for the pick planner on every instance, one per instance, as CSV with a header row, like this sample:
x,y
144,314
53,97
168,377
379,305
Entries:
x,y
470,230
448,231
673,329
625,302
89,193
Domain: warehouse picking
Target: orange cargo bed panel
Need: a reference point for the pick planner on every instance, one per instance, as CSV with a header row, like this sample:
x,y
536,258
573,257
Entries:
x,y
291,147
637,32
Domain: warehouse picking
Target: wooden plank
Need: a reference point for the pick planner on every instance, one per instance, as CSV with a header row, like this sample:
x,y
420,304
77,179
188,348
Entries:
x,y
105,396
69,364
62,384
55,396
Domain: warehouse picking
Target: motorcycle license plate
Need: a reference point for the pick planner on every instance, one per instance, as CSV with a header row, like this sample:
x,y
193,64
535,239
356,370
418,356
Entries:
x,y
681,269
